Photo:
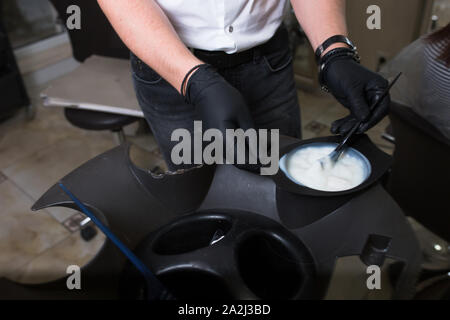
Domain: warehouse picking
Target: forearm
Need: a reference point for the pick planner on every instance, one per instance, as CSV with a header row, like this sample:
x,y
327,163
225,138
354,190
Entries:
x,y
147,32
321,19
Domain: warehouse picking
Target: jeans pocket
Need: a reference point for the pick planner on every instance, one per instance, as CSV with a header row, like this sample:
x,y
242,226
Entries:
x,y
158,99
142,72
279,60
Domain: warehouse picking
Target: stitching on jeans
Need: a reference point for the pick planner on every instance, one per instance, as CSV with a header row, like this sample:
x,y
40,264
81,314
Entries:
x,y
145,81
279,68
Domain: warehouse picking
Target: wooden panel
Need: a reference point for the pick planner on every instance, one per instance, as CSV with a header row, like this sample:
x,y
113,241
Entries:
x,y
401,23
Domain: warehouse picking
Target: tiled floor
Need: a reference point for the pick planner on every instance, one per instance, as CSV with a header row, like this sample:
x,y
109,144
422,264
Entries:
x,y
37,247
33,156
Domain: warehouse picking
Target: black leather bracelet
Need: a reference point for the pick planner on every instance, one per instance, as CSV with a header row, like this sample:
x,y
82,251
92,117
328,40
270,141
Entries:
x,y
338,51
332,55
330,41
183,84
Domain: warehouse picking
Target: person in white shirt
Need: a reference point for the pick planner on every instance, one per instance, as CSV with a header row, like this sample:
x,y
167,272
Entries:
x,y
228,63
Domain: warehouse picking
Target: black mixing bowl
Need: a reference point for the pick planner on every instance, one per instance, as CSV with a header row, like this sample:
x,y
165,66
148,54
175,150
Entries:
x,y
379,163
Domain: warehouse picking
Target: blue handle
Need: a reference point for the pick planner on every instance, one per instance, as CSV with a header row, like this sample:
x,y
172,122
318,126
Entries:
x,y
152,281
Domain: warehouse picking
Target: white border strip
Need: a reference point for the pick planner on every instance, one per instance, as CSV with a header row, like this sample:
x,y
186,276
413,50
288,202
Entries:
x,y
55,102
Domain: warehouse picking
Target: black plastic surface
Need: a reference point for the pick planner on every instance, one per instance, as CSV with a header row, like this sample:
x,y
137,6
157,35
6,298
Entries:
x,y
233,239
94,120
256,258
420,175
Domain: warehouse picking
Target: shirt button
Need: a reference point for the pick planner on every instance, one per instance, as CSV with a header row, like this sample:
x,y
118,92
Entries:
x,y
230,29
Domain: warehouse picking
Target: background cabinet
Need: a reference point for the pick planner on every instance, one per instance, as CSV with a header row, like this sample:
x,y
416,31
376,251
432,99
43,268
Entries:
x,y
12,90
402,21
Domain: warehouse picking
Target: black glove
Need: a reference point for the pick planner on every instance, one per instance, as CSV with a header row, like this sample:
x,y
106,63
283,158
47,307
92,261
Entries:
x,y
219,104
357,88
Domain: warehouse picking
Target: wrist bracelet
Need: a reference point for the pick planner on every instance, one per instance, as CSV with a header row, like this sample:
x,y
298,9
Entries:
x,y
330,41
183,84
333,55
338,52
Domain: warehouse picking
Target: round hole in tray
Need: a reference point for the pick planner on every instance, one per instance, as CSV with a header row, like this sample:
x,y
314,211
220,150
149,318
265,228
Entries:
x,y
182,283
268,267
195,284
190,235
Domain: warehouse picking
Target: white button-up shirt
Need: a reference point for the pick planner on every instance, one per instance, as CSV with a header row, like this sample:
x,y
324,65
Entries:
x,y
224,25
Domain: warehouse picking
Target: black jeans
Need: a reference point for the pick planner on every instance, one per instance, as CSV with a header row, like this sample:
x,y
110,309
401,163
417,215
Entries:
x,y
266,83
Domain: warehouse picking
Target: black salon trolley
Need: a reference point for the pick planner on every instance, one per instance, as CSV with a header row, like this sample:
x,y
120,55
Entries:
x,y
218,232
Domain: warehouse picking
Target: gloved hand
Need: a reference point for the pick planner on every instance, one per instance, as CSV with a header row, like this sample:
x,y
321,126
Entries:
x,y
220,106
357,88
218,103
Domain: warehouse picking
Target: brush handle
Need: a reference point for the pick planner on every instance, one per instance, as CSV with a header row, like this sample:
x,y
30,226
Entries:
x,y
155,287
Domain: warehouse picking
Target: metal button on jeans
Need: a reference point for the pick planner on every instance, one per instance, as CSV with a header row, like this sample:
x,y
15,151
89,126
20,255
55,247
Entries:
x,y
230,29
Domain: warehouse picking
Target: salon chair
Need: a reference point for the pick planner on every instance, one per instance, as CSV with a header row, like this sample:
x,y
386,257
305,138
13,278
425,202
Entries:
x,y
420,175
96,37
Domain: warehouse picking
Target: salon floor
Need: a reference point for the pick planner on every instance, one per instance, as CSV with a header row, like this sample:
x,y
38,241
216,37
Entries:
x,y
34,154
